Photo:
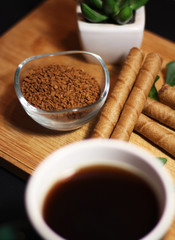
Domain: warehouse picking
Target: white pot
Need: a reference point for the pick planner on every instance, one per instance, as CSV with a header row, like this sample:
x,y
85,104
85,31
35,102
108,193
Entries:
x,y
111,41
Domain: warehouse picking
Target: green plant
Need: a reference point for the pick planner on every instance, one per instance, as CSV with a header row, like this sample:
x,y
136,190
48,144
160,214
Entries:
x,y
116,11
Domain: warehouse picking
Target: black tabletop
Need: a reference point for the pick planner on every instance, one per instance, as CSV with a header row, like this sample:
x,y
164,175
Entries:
x,y
159,19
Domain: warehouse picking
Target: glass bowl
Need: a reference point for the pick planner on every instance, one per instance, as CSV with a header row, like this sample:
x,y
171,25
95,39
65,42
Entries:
x,y
66,119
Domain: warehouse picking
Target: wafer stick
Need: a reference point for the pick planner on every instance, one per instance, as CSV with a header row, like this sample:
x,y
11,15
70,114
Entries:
x,y
156,133
111,111
160,112
167,95
138,96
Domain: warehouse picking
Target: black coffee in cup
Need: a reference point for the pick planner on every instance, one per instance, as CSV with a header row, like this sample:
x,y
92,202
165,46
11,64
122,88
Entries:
x,y
101,202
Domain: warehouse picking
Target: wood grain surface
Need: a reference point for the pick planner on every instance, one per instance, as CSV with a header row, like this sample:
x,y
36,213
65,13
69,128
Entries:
x,y
52,28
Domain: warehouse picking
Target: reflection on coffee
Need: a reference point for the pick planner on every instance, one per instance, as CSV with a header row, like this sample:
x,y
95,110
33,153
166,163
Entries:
x,y
101,202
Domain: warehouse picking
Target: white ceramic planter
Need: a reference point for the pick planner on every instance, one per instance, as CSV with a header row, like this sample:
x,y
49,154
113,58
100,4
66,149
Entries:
x,y
112,42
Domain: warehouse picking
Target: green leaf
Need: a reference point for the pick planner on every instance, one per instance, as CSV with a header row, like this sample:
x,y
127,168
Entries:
x,y
124,16
163,160
153,92
137,4
110,7
91,15
124,4
170,75
97,4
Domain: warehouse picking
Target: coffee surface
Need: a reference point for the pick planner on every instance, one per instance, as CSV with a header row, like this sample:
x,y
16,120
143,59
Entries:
x,y
101,202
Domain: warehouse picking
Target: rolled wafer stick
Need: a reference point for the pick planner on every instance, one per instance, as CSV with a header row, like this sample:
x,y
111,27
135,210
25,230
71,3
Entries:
x,y
167,95
156,133
160,112
112,109
137,98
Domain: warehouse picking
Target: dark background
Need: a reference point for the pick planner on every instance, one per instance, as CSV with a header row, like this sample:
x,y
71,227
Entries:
x,y
159,19
159,15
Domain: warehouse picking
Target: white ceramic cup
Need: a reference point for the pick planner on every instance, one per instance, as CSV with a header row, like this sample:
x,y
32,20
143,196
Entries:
x,y
65,161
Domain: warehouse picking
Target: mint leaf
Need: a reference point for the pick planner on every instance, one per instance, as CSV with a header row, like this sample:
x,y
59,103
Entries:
x,y
163,160
170,75
153,92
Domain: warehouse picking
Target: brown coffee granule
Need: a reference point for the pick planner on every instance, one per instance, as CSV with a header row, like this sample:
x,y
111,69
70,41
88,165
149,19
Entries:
x,y
59,87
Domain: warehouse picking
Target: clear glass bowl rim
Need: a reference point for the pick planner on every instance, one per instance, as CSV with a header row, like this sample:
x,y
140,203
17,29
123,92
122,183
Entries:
x,y
25,103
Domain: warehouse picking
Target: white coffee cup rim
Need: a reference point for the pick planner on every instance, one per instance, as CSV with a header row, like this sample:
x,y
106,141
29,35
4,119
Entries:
x,y
35,216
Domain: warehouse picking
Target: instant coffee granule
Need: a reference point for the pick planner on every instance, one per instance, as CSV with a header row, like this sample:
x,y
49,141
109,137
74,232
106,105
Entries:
x,y
59,87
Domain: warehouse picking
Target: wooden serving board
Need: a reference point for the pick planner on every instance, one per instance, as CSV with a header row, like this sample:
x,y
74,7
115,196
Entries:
x,y
52,28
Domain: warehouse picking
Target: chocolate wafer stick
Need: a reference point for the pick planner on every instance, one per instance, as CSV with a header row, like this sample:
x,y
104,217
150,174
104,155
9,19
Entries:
x,y
159,112
112,109
167,95
137,97
156,133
